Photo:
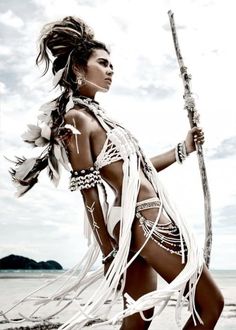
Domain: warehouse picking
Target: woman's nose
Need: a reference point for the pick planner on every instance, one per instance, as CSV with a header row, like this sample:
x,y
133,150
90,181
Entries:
x,y
110,71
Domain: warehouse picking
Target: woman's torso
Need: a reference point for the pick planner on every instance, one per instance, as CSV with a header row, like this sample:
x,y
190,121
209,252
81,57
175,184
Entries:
x,y
113,173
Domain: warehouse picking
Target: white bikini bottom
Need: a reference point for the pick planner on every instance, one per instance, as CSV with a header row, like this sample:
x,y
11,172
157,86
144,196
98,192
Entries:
x,y
114,215
166,235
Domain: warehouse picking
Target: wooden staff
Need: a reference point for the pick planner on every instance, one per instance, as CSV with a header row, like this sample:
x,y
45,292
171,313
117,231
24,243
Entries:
x,y
193,115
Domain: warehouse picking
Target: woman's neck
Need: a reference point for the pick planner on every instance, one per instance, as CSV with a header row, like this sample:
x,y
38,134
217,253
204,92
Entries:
x,y
86,92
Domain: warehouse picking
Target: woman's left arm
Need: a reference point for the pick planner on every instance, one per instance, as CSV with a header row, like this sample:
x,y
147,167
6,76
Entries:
x,y
164,160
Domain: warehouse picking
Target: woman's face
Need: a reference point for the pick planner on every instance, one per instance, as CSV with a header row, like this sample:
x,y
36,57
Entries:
x,y
99,71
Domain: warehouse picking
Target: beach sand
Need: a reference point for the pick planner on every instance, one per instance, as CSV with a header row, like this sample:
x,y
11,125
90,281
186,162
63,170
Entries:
x,y
14,286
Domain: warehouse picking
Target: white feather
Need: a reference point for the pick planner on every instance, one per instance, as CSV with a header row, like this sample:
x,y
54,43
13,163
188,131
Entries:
x,y
61,156
73,129
45,118
41,142
65,160
57,151
56,175
46,132
48,107
46,110
20,190
33,133
70,104
23,169
58,77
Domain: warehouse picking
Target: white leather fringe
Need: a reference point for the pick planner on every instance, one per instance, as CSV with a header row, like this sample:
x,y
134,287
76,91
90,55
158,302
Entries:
x,y
80,276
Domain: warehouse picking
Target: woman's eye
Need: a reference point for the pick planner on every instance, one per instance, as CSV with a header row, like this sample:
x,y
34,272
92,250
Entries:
x,y
103,63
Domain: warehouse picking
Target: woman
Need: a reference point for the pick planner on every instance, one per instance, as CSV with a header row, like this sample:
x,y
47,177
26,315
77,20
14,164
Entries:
x,y
142,234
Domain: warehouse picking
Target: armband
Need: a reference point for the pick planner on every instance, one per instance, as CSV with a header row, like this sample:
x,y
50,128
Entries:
x,y
85,179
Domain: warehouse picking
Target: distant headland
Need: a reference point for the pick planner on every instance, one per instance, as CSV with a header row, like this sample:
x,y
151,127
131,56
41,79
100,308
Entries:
x,y
18,262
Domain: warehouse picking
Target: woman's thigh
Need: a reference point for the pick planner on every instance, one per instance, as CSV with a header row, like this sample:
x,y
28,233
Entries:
x,y
208,297
141,278
166,264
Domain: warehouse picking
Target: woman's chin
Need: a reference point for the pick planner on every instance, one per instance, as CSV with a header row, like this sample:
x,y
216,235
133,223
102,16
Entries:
x,y
104,89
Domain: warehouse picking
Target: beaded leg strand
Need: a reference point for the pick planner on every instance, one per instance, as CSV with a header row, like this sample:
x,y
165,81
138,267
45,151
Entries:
x,y
166,235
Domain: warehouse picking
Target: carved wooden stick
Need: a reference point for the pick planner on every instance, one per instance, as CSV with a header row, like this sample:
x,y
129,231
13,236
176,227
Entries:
x,y
193,116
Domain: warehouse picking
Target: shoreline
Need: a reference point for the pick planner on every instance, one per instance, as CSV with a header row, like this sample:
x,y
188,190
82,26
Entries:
x,y
16,285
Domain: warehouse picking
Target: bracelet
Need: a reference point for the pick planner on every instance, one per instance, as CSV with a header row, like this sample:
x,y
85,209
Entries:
x,y
181,152
109,257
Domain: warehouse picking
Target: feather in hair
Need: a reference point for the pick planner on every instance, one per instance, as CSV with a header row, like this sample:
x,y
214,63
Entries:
x,y
61,156
23,166
53,168
46,110
46,132
41,142
70,103
58,76
67,66
25,173
62,73
64,158
33,136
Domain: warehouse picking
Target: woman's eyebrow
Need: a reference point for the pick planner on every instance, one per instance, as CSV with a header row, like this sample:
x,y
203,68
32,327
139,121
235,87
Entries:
x,y
105,60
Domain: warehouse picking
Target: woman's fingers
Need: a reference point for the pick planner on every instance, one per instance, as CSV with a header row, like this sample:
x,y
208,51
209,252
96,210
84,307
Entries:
x,y
198,135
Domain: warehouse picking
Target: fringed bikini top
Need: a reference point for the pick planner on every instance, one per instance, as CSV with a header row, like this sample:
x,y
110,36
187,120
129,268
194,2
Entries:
x,y
116,147
119,143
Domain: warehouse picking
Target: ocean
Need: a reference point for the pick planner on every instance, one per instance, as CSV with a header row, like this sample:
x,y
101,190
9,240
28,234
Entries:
x,y
15,284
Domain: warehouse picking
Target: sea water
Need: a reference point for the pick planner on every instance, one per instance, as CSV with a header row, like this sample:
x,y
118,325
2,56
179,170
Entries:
x,y
15,284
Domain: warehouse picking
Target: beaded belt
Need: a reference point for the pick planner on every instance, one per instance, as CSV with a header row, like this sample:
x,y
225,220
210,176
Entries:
x,y
148,205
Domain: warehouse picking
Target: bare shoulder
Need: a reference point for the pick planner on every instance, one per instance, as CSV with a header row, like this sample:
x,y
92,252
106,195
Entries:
x,y
80,118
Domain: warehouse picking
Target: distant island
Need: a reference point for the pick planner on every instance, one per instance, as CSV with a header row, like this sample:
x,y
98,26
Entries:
x,y
18,262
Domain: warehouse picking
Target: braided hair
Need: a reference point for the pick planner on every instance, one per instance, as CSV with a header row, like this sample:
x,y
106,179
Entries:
x,y
65,44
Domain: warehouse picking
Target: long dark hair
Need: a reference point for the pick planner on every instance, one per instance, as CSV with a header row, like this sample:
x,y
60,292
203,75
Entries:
x,y
66,44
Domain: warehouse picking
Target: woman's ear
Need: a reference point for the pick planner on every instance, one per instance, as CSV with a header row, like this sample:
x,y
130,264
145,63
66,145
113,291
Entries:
x,y
78,70
75,69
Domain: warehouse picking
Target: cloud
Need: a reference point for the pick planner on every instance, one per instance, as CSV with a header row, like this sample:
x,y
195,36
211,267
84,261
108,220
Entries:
x,y
10,19
167,27
3,89
160,92
5,51
226,217
121,22
23,10
149,91
227,148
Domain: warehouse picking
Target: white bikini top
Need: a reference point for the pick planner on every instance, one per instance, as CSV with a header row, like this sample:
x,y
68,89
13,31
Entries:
x,y
118,145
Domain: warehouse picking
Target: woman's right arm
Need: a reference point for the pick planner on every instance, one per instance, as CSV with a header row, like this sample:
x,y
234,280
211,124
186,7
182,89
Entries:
x,y
80,157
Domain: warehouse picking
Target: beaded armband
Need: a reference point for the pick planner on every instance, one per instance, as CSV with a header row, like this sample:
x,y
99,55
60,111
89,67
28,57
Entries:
x,y
84,179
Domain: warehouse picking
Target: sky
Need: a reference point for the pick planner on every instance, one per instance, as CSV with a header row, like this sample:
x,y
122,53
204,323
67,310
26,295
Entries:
x,y
146,95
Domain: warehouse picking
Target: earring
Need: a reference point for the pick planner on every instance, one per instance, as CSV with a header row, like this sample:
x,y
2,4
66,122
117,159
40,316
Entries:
x,y
80,80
